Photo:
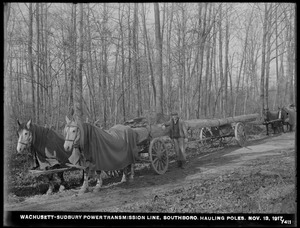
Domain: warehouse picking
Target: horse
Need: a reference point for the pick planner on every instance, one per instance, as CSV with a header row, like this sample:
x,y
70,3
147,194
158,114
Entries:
x,y
288,116
103,150
47,148
273,115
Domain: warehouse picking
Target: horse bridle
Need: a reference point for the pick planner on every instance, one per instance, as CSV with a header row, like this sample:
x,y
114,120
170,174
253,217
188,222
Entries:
x,y
74,144
280,114
27,144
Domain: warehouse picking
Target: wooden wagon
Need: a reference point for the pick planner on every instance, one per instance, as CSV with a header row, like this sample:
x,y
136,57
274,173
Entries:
x,y
221,131
154,141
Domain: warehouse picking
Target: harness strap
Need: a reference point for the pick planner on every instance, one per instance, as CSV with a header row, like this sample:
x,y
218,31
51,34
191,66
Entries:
x,y
24,143
75,144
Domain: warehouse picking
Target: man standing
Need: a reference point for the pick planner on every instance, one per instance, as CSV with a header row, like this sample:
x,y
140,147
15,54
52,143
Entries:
x,y
178,133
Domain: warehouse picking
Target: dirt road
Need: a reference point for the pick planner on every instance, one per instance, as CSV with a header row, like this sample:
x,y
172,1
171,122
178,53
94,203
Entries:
x,y
148,186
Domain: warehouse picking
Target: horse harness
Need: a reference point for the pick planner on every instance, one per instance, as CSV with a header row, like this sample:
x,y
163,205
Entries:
x,y
29,141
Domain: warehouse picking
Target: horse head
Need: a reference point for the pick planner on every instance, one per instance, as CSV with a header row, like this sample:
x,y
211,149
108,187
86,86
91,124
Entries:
x,y
72,134
283,114
24,136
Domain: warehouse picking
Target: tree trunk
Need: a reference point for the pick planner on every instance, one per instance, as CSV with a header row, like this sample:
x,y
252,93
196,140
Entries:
x,y
78,89
227,37
73,57
268,57
129,80
30,55
169,61
136,60
201,53
38,88
123,64
105,68
263,61
158,56
149,56
290,57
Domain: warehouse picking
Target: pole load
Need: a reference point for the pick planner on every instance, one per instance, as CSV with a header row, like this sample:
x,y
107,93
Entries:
x,y
199,123
146,131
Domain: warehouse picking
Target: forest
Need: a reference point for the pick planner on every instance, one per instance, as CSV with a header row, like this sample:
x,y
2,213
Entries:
x,y
111,62
108,63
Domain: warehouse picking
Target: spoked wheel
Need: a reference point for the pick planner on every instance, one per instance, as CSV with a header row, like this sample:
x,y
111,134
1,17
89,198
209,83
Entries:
x,y
159,156
205,137
240,134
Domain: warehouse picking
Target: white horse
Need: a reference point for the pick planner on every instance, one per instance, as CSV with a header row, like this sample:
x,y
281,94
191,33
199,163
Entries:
x,y
102,150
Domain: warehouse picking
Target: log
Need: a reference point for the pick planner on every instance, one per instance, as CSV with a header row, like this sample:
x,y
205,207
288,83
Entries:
x,y
200,123
155,131
50,171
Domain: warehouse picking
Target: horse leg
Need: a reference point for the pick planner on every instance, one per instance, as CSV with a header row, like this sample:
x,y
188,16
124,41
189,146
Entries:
x,y
124,178
62,181
274,128
267,128
84,187
99,181
125,173
281,127
131,172
51,184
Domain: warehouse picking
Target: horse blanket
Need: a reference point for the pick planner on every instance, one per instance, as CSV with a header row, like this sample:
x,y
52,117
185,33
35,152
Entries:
x,y
109,150
48,147
291,116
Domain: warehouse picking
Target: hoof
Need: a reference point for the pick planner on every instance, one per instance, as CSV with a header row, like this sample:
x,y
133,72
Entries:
x,y
130,180
82,191
124,179
61,188
96,189
48,193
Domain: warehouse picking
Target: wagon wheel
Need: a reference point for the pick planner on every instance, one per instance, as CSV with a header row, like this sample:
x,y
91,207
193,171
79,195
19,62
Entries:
x,y
158,156
240,134
208,139
204,135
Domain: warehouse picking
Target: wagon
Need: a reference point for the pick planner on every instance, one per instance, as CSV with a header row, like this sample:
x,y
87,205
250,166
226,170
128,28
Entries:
x,y
217,132
155,143
223,134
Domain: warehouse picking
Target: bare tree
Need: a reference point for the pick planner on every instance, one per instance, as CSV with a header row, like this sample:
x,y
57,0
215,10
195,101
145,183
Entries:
x,y
263,56
30,55
136,59
78,88
158,61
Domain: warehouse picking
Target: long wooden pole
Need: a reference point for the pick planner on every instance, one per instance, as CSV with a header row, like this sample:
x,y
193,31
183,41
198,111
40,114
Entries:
x,y
199,123
155,131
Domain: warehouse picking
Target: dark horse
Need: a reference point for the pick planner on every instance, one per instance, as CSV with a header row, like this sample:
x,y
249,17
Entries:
x,y
102,150
47,148
270,116
288,116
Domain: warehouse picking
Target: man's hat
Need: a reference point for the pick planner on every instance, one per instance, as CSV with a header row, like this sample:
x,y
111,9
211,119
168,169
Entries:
x,y
174,114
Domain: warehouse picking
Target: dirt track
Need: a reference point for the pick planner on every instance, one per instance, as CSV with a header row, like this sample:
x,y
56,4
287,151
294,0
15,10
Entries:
x,y
147,185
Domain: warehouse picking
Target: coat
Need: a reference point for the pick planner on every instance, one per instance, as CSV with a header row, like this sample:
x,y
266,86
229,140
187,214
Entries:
x,y
182,128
